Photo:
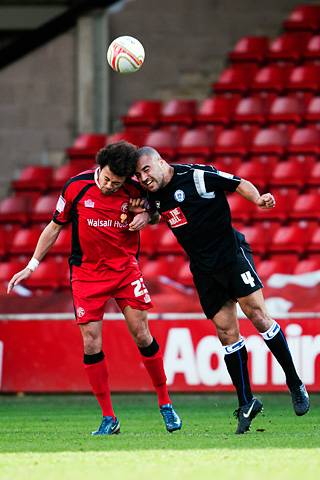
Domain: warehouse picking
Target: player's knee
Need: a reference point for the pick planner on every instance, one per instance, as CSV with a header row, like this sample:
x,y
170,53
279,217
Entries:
x,y
92,343
256,313
229,335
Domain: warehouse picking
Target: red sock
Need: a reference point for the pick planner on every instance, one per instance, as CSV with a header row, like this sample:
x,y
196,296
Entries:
x,y
99,381
154,366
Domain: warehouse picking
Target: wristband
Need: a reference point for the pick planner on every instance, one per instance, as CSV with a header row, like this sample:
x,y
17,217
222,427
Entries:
x,y
33,264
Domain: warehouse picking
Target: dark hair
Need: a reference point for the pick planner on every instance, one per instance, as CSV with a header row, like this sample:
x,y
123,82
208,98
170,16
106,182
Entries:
x,y
121,158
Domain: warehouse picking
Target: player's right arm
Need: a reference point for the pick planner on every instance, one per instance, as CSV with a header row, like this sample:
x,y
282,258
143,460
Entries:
x,y
45,242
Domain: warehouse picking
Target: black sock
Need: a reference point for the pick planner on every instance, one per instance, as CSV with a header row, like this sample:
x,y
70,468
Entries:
x,y
277,343
237,365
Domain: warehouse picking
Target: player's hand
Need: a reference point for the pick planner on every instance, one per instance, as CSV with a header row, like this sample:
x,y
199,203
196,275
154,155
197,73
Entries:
x,y
266,201
137,205
18,278
140,221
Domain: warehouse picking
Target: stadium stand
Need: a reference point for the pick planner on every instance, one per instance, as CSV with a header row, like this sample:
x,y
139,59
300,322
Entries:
x,y
262,122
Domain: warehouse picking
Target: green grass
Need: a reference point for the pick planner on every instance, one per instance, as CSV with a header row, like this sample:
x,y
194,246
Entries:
x,y
48,437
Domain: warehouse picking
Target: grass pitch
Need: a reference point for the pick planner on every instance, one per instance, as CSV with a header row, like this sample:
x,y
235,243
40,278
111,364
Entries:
x,y
48,437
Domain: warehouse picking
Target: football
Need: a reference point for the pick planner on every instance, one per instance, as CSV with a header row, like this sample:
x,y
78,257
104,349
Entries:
x,y
125,54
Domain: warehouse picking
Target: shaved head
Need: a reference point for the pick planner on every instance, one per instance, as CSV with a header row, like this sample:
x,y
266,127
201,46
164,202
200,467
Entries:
x,y
149,151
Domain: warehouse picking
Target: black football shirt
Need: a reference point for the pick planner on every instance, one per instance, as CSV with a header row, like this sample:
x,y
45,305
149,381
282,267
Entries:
x,y
195,207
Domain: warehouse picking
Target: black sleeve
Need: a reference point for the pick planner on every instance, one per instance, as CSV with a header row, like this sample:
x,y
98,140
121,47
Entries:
x,y
208,181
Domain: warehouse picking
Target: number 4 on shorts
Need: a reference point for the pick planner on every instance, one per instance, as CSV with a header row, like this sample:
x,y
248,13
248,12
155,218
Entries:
x,y
248,278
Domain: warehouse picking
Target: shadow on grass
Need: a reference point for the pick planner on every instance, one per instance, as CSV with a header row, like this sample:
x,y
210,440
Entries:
x,y
59,423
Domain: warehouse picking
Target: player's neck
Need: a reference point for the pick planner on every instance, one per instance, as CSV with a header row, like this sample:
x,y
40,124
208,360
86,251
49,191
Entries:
x,y
168,175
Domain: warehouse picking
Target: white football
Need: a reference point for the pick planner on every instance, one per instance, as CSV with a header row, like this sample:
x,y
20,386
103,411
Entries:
x,y
125,54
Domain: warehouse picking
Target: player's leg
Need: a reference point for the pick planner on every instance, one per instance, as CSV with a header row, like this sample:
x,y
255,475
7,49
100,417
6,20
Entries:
x,y
152,359
236,360
253,306
97,372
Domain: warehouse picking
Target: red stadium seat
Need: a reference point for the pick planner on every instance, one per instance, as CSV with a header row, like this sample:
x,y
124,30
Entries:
x,y
290,174
284,110
250,110
135,137
198,142
168,244
25,240
314,177
307,265
304,79
215,111
149,239
8,269
231,142
257,238
87,145
164,265
284,202
227,163
235,79
62,174
44,209
178,112
15,210
164,141
314,244
250,49
45,277
303,18
185,275
143,113
312,115
33,178
312,51
269,141
304,141
271,78
266,268
256,172
241,209
306,207
288,47
288,239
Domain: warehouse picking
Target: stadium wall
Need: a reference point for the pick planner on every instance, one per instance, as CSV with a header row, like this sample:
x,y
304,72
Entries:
x,y
35,357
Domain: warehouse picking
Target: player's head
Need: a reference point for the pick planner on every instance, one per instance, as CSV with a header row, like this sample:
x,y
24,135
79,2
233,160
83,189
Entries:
x,y
117,162
152,171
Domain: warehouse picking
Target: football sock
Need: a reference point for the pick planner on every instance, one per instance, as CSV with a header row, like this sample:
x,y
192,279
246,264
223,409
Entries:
x,y
277,343
96,369
236,360
153,361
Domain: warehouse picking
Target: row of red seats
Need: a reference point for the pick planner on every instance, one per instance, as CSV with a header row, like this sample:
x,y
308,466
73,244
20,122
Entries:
x,y
293,47
276,79
264,238
55,275
290,203
223,111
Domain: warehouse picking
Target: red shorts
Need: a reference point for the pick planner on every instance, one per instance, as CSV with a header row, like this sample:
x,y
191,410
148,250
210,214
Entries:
x,y
127,288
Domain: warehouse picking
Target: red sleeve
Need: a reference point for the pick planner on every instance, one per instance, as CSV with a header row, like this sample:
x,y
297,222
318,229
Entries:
x,y
62,213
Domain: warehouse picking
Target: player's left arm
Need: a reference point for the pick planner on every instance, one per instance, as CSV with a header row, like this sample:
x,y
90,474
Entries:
x,y
144,214
247,190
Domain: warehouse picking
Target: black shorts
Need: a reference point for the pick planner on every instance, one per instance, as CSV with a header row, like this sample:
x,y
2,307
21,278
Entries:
x,y
236,280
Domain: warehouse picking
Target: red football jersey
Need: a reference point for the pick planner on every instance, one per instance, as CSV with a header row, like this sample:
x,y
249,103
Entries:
x,y
101,240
